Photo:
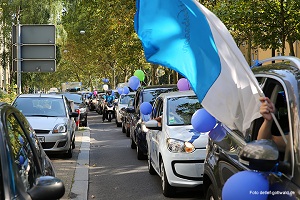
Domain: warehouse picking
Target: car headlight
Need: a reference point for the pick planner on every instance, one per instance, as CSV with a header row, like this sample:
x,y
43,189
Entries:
x,y
82,110
179,146
60,128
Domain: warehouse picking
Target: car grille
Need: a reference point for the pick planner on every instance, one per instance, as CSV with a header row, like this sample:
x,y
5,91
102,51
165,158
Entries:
x,y
47,145
42,131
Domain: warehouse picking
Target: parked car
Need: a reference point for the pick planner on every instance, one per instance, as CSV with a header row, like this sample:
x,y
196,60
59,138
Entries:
x,y
176,152
122,102
127,114
137,134
52,120
26,172
243,152
79,106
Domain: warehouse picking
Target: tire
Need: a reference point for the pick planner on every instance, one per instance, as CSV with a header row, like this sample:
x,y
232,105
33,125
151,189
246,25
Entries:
x,y
168,190
118,123
123,128
69,153
73,144
151,170
140,155
127,132
210,194
85,122
132,145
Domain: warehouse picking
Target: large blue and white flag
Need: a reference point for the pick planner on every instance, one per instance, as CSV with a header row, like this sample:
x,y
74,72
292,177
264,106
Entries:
x,y
185,36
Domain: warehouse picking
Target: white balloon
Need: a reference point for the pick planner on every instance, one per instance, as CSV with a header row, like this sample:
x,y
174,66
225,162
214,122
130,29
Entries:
x,y
105,87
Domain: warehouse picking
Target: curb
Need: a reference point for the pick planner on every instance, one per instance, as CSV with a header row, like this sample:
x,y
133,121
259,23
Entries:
x,y
80,186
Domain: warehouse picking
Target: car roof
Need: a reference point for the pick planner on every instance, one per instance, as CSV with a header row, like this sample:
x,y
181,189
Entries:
x,y
149,87
178,94
42,95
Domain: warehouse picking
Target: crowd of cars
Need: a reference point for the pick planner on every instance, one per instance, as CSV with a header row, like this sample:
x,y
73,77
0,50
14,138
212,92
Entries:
x,y
36,124
185,158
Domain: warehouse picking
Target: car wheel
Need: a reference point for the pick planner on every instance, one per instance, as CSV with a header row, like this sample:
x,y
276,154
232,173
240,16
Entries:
x,y
127,132
140,155
69,153
150,167
168,190
123,128
118,123
85,123
73,144
210,194
133,145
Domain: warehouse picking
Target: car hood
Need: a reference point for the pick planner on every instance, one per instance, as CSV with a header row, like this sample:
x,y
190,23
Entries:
x,y
46,123
187,133
120,106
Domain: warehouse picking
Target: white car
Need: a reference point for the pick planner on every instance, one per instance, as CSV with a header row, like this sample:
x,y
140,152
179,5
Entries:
x,y
176,152
122,103
52,120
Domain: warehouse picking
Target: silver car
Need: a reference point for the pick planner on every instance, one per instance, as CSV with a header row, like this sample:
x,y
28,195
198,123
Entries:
x,y
52,119
122,103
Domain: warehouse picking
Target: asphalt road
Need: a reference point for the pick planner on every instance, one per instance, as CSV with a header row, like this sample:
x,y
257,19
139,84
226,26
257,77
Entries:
x,y
114,171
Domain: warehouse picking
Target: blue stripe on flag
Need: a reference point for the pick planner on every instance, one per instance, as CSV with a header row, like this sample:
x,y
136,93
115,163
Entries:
x,y
168,39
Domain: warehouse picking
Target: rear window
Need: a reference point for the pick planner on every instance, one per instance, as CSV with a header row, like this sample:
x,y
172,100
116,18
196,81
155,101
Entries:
x,y
150,95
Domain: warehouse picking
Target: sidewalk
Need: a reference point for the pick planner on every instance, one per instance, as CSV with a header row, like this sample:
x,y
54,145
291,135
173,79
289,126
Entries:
x,y
80,185
74,172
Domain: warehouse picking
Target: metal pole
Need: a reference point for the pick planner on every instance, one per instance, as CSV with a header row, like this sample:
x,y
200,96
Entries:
x,y
18,39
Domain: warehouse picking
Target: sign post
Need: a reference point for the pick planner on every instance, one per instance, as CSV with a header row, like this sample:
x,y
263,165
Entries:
x,y
34,49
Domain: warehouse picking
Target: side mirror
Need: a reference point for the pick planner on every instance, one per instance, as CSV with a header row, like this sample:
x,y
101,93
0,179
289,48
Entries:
x,y
153,125
73,114
130,110
47,187
261,155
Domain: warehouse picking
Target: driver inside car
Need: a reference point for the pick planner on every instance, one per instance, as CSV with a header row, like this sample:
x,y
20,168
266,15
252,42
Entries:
x,y
268,129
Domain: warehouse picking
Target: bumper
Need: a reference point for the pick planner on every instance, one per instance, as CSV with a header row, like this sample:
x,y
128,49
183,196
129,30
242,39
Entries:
x,y
55,142
185,170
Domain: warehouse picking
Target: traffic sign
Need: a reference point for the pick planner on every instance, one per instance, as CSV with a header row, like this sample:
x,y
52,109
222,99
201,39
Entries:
x,y
37,48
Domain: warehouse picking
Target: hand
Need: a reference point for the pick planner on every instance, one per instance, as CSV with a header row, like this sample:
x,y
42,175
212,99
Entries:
x,y
266,108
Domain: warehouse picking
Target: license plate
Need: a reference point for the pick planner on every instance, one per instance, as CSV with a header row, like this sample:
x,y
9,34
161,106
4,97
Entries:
x,y
41,139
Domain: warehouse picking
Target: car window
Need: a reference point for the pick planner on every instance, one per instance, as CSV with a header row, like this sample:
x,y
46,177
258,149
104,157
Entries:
x,y
150,95
77,98
277,94
21,151
124,99
181,109
41,106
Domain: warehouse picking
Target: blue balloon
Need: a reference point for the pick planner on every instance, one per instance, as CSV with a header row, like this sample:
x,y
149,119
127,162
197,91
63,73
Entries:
x,y
218,133
125,90
146,108
134,82
120,90
202,121
246,185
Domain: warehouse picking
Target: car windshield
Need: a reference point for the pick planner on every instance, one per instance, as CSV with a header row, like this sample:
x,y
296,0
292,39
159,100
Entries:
x,y
124,99
181,109
44,107
150,95
77,98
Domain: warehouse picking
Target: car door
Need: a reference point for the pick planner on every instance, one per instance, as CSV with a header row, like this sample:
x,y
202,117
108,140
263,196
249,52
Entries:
x,y
155,135
281,93
23,158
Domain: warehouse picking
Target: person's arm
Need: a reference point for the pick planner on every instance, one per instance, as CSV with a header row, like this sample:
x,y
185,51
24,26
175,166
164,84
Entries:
x,y
266,108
